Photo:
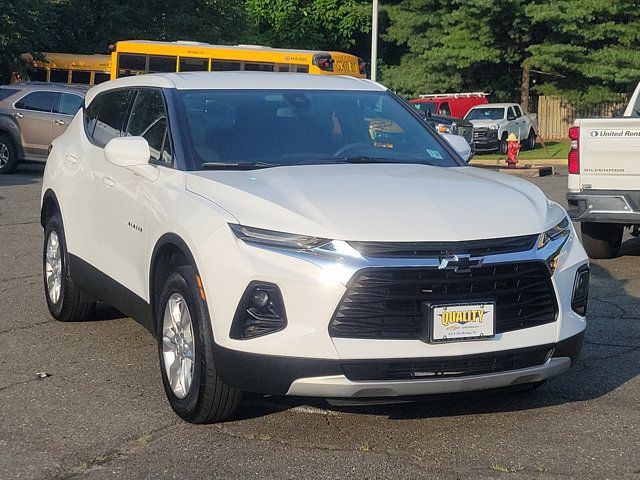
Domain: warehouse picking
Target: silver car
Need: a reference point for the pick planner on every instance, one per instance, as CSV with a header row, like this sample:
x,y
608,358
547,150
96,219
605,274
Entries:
x,y
32,114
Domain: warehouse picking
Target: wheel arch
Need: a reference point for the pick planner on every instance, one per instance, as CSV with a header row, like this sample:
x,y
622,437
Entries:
x,y
49,204
170,251
15,139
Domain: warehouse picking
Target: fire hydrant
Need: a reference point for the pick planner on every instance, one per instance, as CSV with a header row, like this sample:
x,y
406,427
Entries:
x,y
513,148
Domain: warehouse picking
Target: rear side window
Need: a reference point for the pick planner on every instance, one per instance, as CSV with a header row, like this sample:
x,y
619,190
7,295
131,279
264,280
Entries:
x,y
518,111
91,114
39,101
148,119
70,104
7,92
111,116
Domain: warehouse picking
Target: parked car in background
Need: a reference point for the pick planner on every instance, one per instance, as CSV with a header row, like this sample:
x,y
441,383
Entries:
x,y
604,179
450,125
32,114
493,122
450,104
305,235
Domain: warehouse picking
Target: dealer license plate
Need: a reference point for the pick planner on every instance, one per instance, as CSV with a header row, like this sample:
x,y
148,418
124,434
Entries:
x,y
462,321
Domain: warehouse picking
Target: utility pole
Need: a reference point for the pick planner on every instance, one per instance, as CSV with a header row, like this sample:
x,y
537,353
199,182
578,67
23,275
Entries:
x,y
374,41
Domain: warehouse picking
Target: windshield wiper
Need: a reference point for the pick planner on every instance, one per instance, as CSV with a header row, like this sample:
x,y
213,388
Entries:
x,y
236,165
363,159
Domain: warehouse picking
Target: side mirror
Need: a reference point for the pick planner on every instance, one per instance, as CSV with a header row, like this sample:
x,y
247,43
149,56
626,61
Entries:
x,y
459,144
127,152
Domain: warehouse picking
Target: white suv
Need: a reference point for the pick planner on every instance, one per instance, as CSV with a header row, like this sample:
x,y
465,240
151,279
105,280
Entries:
x,y
304,235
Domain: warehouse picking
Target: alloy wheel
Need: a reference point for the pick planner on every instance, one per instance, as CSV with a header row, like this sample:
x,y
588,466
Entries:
x,y
4,154
178,345
53,267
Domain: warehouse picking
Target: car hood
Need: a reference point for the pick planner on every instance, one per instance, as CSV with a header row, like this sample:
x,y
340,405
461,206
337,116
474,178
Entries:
x,y
485,123
383,202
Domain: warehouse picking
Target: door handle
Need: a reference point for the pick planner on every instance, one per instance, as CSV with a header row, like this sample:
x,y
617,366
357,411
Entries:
x,y
108,181
59,122
18,115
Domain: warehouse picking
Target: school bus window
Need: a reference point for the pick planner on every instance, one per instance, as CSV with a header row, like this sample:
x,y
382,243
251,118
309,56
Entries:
x,y
132,62
225,66
38,75
194,64
100,77
81,76
301,68
283,68
259,67
159,63
60,76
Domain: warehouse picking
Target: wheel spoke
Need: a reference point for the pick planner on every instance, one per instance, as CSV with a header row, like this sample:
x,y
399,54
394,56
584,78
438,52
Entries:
x,y
177,345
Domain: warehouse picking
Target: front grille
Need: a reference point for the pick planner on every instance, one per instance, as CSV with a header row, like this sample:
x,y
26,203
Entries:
x,y
437,249
466,133
480,133
388,302
425,368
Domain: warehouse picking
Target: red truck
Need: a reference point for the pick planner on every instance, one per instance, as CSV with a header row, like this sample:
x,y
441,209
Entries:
x,y
450,104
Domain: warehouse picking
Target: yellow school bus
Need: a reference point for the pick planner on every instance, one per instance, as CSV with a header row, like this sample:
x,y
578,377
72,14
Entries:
x,y
69,68
136,57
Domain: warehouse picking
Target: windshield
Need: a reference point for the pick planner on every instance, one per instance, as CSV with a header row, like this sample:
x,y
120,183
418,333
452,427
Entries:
x,y
265,128
485,114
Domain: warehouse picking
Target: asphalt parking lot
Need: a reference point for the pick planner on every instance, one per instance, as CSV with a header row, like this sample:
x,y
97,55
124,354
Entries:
x,y
101,411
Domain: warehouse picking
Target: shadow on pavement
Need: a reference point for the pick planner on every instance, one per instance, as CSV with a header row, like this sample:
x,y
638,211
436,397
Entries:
x,y
611,333
25,174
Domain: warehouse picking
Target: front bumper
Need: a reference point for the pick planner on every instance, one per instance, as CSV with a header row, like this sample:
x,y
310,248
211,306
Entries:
x,y
483,145
278,375
604,206
312,286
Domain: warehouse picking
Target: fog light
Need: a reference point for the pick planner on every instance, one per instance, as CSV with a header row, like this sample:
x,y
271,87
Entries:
x,y
581,291
260,312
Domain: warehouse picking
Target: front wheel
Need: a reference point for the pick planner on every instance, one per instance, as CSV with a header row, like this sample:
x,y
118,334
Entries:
x,y
503,147
601,240
185,346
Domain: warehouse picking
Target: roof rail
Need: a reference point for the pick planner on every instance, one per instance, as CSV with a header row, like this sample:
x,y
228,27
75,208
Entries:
x,y
455,95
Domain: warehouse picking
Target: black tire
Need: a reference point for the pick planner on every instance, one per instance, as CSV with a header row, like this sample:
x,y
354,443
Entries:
x,y
530,142
7,147
601,240
208,400
72,305
503,145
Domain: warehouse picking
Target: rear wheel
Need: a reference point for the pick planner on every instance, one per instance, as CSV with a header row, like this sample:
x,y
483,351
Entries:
x,y
185,346
601,240
530,142
65,301
8,154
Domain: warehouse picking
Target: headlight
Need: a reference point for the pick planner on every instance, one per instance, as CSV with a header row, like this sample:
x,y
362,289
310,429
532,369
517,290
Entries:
x,y
561,229
260,236
494,127
442,128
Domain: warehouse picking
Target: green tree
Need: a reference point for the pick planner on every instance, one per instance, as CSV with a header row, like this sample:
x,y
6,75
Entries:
x,y
457,45
23,28
588,49
316,24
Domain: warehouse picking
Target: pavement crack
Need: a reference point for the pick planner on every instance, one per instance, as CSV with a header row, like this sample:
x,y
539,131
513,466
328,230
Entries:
x,y
24,382
19,223
11,330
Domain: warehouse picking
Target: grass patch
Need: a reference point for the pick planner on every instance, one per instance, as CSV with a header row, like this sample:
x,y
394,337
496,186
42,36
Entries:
x,y
554,150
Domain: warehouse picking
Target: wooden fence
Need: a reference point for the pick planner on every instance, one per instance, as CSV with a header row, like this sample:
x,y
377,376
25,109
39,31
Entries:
x,y
555,115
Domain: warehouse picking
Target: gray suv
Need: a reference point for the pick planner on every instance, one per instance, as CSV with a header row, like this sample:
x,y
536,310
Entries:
x,y
32,114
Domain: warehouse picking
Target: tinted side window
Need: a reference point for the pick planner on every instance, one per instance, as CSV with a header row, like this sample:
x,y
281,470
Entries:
x,y
70,104
444,109
111,116
510,113
518,111
100,77
39,101
158,63
59,76
91,114
194,64
81,76
148,119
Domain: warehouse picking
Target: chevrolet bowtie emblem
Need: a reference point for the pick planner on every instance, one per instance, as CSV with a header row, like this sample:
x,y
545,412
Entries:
x,y
460,263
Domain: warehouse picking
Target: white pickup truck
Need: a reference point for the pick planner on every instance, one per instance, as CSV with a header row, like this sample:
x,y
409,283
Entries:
x,y
493,122
604,178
